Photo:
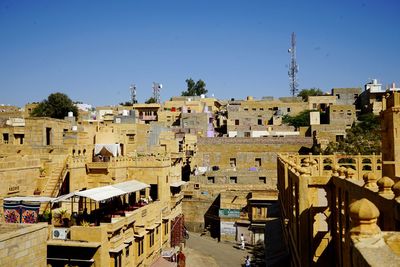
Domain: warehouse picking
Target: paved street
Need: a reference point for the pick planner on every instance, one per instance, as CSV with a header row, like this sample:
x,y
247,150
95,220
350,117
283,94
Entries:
x,y
205,251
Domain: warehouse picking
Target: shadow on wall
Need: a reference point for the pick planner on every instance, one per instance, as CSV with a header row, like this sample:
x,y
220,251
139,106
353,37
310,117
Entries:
x,y
211,218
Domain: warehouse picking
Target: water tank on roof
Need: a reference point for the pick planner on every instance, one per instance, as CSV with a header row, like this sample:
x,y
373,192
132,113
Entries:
x,y
250,98
125,112
70,114
202,96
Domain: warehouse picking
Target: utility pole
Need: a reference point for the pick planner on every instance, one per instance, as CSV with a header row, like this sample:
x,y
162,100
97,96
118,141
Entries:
x,y
293,67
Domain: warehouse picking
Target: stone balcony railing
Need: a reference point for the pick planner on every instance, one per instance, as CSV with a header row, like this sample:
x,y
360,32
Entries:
x,y
322,165
348,204
148,117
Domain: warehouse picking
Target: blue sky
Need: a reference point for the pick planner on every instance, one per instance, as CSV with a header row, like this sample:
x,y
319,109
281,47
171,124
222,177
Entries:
x,y
93,50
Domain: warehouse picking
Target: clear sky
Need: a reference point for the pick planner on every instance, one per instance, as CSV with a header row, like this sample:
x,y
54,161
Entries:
x,y
94,50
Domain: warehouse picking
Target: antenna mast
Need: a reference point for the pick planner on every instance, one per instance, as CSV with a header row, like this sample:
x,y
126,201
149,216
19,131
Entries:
x,y
156,91
293,67
132,88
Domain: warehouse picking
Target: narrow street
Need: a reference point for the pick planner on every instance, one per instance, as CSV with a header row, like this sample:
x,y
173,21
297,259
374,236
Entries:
x,y
205,251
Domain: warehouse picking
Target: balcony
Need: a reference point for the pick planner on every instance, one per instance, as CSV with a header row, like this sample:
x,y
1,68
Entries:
x,y
97,165
148,117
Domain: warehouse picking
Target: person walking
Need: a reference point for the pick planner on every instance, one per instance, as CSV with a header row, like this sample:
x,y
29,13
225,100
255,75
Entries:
x,y
247,261
241,241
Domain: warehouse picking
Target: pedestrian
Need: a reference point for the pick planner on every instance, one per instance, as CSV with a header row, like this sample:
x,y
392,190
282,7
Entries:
x,y
241,241
247,261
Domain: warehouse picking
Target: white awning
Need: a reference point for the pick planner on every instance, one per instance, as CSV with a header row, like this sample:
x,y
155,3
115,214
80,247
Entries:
x,y
101,193
109,191
177,184
63,197
106,192
113,149
131,186
30,199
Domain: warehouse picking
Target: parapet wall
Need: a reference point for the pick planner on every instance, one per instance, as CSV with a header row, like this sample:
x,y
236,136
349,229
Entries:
x,y
23,245
305,141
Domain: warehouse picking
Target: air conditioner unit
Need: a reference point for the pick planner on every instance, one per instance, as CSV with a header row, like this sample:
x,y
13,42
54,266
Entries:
x,y
60,233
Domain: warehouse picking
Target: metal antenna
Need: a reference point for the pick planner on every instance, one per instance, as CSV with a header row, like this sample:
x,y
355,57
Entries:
x,y
132,88
156,91
293,67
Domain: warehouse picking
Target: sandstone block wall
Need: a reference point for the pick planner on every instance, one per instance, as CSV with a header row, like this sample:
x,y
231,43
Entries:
x,y
23,245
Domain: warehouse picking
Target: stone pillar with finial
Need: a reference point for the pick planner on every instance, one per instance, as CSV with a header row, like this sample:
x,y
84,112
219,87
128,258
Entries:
x,y
396,191
370,181
364,216
385,187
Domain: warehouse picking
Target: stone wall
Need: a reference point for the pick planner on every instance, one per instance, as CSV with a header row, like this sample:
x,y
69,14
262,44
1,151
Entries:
x,y
23,245
18,176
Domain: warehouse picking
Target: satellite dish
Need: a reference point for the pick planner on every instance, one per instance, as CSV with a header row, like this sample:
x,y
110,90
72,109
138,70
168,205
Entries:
x,y
160,86
289,50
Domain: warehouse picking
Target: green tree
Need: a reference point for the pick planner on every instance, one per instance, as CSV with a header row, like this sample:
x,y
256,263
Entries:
x,y
195,88
57,105
364,137
301,119
151,100
305,93
127,103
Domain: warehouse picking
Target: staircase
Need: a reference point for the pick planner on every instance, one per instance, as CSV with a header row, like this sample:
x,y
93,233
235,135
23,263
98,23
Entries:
x,y
54,182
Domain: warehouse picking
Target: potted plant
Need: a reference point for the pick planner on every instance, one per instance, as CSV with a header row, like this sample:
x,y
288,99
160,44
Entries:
x,y
61,217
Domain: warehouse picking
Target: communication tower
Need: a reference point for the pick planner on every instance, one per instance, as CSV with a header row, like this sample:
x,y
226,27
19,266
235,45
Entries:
x,y
156,91
132,88
293,67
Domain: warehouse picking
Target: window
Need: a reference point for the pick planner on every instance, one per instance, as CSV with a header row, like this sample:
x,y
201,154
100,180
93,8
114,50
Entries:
x,y
339,138
233,180
165,227
48,136
288,109
211,180
261,109
5,138
314,106
236,122
246,109
246,134
254,109
232,162
258,162
259,121
19,139
157,229
262,180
